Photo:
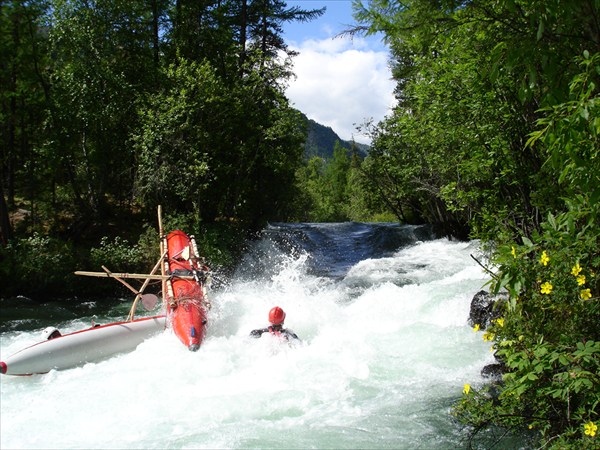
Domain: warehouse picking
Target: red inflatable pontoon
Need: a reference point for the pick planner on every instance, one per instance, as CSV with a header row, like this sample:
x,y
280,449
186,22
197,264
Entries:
x,y
185,297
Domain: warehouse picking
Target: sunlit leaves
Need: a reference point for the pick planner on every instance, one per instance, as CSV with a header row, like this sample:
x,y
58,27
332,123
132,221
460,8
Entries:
x,y
102,63
174,145
497,123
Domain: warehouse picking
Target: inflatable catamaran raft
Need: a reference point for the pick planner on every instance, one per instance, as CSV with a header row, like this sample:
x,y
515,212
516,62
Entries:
x,y
80,347
184,279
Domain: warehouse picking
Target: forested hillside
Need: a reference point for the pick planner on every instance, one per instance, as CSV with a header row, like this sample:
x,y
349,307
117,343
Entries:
x,y
321,141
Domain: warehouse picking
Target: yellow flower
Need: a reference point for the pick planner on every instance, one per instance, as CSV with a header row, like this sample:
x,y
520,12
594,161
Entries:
x,y
487,336
476,327
544,259
590,428
585,294
546,288
467,388
581,280
500,322
513,252
575,270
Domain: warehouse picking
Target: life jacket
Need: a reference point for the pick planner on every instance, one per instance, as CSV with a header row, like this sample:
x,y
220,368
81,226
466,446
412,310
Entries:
x,y
276,331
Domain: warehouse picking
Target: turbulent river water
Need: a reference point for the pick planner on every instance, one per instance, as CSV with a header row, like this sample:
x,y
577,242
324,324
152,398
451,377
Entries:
x,y
381,310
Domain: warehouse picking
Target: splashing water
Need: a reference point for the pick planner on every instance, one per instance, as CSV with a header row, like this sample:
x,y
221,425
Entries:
x,y
385,352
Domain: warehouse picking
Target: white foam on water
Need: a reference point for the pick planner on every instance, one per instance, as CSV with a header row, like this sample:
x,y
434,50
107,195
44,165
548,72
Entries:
x,y
377,369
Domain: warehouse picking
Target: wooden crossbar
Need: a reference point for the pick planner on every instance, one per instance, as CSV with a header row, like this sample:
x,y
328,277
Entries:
x,y
140,276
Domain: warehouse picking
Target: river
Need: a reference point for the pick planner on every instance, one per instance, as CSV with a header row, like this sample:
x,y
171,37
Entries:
x,y
381,310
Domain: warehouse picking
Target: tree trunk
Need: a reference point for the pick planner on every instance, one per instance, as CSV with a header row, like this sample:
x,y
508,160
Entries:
x,y
243,27
155,40
5,228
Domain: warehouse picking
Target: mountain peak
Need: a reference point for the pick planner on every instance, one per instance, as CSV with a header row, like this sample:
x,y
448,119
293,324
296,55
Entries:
x,y
320,141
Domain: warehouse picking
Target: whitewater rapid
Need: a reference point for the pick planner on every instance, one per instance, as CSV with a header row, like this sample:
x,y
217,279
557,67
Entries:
x,y
385,352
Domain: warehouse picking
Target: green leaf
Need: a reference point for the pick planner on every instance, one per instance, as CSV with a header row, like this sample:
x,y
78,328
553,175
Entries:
x,y
540,32
552,221
527,242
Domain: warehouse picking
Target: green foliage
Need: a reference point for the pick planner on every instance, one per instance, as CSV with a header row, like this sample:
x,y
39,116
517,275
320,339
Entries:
x,y
118,255
148,247
571,133
118,105
186,159
23,100
311,185
548,337
550,389
175,140
100,67
36,266
471,80
114,106
334,190
497,128
222,244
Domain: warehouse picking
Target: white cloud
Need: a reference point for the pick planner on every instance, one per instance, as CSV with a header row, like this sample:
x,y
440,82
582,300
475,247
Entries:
x,y
341,83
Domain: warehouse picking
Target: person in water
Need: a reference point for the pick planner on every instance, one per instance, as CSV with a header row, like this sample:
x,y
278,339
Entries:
x,y
276,318
50,333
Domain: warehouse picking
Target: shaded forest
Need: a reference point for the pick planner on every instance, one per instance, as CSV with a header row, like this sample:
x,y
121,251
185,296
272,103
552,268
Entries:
x,y
112,107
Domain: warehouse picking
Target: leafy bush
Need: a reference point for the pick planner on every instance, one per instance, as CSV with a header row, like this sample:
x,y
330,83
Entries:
x,y
548,335
36,266
118,255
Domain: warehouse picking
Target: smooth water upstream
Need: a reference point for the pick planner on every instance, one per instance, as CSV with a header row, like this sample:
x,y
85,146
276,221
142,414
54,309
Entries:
x,y
382,311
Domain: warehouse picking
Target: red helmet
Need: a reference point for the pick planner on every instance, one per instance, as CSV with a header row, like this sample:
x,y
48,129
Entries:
x,y
276,315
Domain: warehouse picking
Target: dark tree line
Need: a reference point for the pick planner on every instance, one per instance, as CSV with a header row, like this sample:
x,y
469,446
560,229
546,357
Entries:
x,y
114,106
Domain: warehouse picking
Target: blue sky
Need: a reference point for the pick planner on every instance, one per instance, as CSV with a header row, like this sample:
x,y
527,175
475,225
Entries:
x,y
338,14
340,82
